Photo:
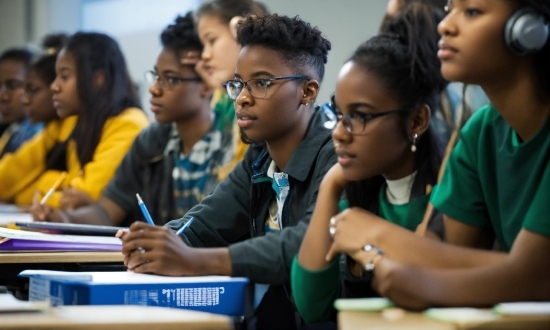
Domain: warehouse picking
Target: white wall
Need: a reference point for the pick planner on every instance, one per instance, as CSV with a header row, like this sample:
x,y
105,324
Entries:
x,y
346,23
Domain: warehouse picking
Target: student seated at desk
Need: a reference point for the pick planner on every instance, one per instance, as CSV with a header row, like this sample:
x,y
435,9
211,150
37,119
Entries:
x,y
498,173
216,24
458,101
97,101
37,97
388,155
173,163
14,64
253,223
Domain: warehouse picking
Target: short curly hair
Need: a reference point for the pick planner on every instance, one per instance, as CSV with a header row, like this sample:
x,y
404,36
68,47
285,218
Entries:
x,y
182,34
302,45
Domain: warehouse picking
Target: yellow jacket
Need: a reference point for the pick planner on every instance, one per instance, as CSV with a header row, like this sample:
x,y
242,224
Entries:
x,y
24,172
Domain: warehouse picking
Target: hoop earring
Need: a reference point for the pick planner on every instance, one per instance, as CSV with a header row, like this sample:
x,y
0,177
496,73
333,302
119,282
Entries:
x,y
414,141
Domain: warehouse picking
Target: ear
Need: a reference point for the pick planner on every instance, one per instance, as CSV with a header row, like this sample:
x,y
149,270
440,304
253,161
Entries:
x,y
233,23
419,120
310,91
99,79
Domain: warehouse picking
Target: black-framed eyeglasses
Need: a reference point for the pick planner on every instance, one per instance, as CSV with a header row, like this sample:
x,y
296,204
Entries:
x,y
256,87
355,122
11,85
167,81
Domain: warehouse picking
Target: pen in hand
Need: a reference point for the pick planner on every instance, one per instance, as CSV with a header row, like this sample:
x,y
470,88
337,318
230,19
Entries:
x,y
184,228
145,211
53,188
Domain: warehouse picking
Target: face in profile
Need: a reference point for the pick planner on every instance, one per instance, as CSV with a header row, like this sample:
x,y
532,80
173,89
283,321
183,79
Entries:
x,y
12,76
64,87
376,145
220,49
472,48
172,98
270,113
37,99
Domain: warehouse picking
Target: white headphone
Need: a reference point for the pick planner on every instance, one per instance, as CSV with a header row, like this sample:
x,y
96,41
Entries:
x,y
526,32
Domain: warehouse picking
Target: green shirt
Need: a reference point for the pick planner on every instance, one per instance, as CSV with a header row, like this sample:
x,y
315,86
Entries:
x,y
315,291
407,215
491,177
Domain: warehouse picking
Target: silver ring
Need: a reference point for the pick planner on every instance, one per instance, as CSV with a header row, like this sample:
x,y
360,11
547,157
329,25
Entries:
x,y
141,250
333,221
332,231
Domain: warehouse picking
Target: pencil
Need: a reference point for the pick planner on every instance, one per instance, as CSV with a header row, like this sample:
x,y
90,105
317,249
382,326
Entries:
x,y
53,188
184,228
144,210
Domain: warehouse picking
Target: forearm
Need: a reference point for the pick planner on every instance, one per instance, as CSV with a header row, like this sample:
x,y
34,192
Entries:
x,y
404,246
91,215
214,261
317,241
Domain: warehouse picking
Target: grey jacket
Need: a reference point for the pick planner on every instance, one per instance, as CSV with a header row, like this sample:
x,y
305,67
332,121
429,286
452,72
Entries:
x,y
234,214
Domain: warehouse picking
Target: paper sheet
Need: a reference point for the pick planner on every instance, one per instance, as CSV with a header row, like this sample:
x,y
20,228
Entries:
x,y
8,304
11,217
524,308
36,236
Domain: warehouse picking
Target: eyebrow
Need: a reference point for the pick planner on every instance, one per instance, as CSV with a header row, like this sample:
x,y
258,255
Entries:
x,y
354,106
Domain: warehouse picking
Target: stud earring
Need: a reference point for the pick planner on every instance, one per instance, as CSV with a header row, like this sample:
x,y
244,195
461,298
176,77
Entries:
x,y
413,144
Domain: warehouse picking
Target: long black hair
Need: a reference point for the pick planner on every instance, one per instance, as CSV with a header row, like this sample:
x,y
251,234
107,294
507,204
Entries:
x,y
404,59
93,53
44,65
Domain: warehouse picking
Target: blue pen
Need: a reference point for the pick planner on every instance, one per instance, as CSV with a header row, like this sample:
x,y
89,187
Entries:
x,y
184,228
144,210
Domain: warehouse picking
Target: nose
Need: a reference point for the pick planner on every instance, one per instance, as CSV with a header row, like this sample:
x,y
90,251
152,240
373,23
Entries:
x,y
244,97
446,26
25,99
155,89
340,133
206,53
54,87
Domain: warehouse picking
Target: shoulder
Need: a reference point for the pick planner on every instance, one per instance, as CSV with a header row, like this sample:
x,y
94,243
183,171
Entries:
x,y
130,117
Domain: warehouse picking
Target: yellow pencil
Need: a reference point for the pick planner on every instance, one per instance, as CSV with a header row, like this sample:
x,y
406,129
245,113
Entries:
x,y
53,188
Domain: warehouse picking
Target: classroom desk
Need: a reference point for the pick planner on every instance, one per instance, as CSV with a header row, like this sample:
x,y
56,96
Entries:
x,y
114,318
417,321
12,263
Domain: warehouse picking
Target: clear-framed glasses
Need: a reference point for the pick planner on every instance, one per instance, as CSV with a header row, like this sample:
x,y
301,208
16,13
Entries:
x,y
11,85
256,87
355,122
167,81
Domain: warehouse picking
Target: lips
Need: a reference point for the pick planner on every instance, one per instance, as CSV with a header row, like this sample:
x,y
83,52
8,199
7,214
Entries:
x,y
4,109
445,50
56,102
155,107
344,158
244,119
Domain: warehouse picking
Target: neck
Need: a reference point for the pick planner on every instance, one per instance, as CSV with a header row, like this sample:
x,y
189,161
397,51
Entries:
x,y
281,149
518,100
192,129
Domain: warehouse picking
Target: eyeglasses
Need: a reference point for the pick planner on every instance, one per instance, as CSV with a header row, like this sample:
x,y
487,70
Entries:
x,y
167,82
11,85
256,87
355,122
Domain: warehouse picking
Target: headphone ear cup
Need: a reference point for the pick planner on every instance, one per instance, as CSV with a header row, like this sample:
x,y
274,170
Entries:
x,y
526,32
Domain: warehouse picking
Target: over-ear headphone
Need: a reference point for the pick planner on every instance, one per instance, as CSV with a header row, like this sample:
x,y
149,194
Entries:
x,y
526,32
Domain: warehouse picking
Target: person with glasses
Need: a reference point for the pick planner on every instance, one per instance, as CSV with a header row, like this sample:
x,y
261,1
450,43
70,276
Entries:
x,y
13,68
388,160
254,221
172,164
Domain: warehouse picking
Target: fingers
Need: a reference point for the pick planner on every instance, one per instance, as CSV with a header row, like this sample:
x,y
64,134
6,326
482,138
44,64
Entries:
x,y
332,253
121,233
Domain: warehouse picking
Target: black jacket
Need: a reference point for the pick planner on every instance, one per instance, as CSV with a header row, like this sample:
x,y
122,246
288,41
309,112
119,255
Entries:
x,y
234,215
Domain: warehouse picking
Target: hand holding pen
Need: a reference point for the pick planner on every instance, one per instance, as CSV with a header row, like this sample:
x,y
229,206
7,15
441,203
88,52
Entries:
x,y
39,209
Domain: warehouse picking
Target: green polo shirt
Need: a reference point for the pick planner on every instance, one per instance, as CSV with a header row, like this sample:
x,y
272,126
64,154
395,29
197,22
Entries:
x,y
491,177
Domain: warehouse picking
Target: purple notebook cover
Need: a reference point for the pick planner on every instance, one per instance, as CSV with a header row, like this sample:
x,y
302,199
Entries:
x,y
17,244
